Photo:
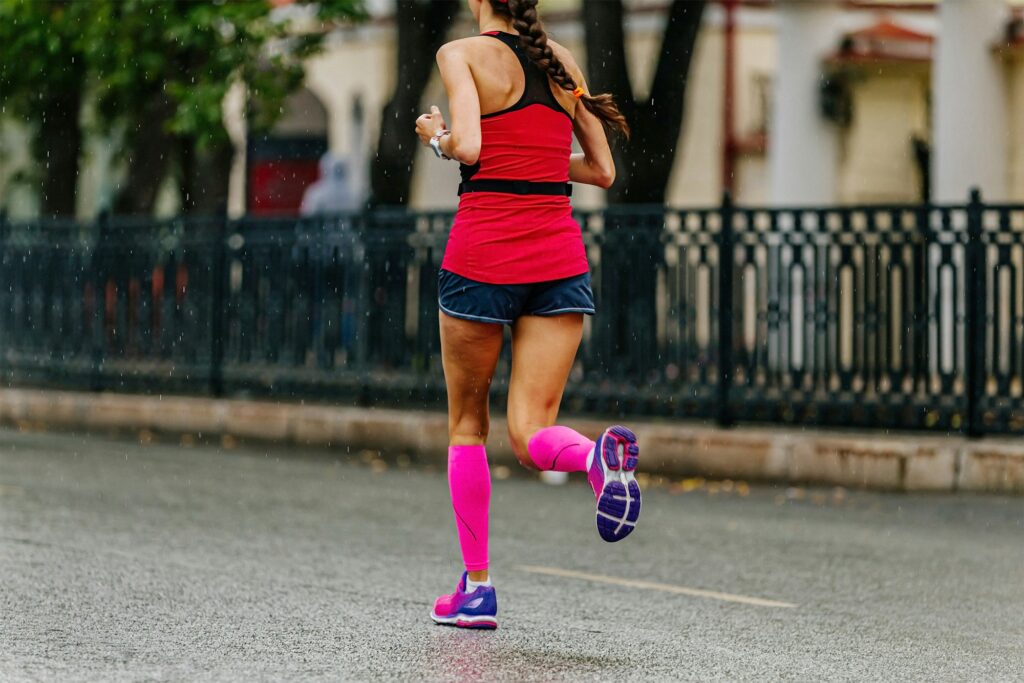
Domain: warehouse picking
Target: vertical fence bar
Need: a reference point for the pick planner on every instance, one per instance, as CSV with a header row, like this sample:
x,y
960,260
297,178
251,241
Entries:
x,y
99,272
726,261
6,290
218,309
921,300
975,314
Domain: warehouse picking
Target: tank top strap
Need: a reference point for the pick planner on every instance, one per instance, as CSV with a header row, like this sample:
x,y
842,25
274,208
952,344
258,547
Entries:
x,y
512,41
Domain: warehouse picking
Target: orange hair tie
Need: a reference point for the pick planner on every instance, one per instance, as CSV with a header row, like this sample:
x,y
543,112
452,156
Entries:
x,y
578,92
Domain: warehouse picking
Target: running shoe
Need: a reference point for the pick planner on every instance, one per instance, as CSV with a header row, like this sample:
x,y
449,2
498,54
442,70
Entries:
x,y
478,609
611,476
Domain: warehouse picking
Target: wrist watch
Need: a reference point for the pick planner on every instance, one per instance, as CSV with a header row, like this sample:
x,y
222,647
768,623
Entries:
x,y
435,143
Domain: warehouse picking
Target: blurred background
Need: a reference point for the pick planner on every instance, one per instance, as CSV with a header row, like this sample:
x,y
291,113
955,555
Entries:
x,y
219,243
821,211
169,108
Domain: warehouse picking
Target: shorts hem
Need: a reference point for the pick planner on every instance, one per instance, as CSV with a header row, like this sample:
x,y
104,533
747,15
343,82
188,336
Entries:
x,y
474,318
557,311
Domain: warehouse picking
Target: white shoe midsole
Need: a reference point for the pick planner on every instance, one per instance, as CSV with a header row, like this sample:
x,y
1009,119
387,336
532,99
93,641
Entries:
x,y
463,617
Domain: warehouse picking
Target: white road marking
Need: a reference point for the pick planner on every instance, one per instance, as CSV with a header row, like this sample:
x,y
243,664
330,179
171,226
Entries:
x,y
650,585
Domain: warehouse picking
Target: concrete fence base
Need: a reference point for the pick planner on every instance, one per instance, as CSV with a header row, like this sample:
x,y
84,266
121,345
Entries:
x,y
902,462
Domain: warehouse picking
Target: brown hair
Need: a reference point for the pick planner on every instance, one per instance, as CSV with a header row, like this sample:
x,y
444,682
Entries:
x,y
535,42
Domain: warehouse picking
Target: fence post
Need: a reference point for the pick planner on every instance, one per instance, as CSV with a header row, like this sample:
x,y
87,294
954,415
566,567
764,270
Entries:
x,y
726,261
218,309
5,288
976,313
99,273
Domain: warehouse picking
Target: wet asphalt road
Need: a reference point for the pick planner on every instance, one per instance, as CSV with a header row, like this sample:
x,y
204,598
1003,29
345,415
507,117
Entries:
x,y
129,561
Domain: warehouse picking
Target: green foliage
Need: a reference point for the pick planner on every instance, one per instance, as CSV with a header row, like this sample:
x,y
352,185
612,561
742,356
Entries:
x,y
194,51
41,51
190,51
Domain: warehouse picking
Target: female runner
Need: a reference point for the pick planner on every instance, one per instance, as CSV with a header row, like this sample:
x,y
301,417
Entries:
x,y
515,256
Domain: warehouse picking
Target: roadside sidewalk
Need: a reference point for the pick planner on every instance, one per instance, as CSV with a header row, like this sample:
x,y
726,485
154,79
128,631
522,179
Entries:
x,y
863,459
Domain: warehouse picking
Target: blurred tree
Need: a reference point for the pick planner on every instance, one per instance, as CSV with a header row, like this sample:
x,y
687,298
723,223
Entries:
x,y
643,165
645,162
42,72
422,28
160,70
164,68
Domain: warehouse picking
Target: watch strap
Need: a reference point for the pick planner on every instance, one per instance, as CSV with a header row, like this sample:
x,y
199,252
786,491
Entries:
x,y
435,143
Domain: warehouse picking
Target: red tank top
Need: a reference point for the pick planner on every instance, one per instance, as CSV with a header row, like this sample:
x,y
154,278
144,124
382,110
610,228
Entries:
x,y
516,237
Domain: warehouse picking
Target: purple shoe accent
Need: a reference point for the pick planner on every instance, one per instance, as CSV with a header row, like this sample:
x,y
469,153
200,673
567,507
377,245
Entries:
x,y
624,433
632,458
478,609
633,513
616,455
613,500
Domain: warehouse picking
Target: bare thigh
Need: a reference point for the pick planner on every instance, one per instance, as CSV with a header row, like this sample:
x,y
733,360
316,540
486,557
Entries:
x,y
543,351
469,354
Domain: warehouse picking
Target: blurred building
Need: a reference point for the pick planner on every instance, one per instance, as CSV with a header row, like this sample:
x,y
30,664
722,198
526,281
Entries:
x,y
833,101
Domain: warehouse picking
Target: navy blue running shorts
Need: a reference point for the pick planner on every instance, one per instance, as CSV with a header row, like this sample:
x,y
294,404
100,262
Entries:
x,y
468,299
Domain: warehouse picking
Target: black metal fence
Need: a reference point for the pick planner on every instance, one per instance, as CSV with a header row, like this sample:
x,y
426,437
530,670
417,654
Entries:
x,y
874,316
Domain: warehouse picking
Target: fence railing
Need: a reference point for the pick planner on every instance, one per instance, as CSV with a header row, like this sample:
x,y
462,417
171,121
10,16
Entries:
x,y
871,316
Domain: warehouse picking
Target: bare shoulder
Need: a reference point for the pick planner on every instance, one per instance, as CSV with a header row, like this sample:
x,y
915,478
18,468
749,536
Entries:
x,y
566,58
463,48
453,49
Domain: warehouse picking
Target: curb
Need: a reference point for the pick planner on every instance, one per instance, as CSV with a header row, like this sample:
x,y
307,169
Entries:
x,y
893,462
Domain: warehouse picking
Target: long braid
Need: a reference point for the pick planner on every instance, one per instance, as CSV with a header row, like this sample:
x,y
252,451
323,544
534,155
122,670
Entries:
x,y
535,41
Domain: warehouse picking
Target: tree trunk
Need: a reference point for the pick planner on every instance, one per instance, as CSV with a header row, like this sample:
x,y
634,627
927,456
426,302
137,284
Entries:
x,y
58,148
422,27
150,149
205,174
644,164
625,338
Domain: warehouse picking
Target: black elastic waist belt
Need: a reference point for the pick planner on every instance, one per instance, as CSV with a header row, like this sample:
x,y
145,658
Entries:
x,y
515,187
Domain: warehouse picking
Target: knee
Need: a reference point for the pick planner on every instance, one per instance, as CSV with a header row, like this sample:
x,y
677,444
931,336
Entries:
x,y
519,435
468,430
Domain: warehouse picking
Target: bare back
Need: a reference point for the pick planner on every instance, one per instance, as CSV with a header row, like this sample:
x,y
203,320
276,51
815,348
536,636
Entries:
x,y
499,79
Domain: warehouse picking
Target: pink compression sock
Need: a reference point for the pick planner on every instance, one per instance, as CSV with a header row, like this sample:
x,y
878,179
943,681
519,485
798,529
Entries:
x,y
560,449
469,481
